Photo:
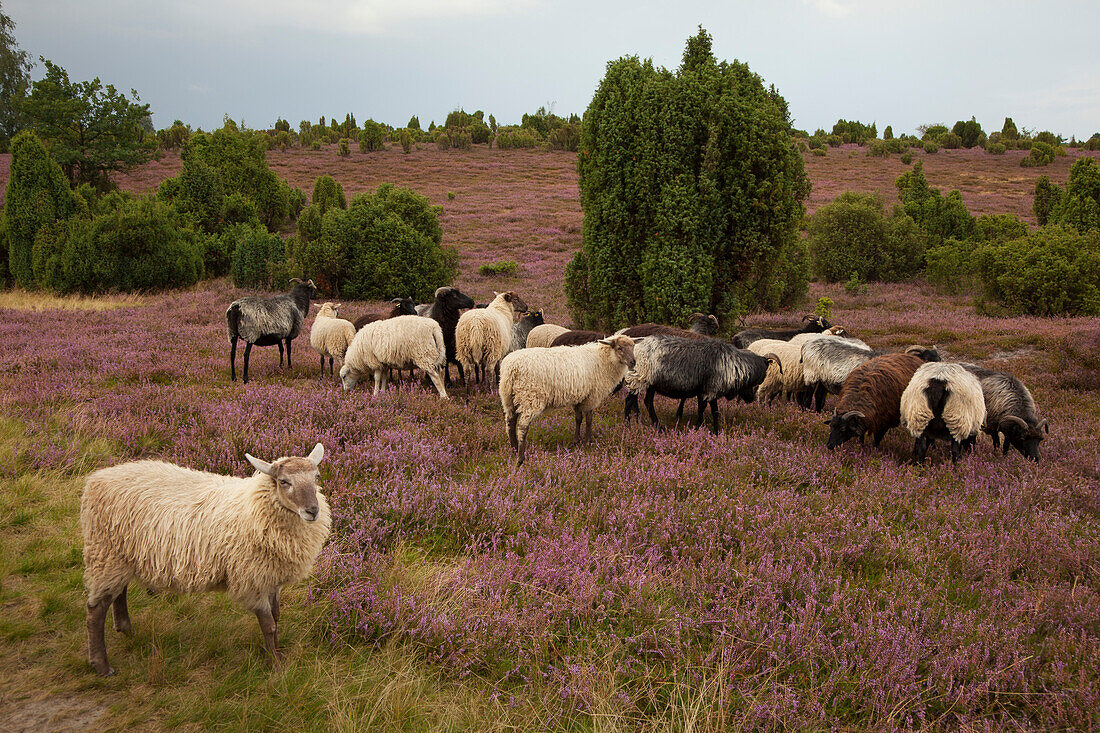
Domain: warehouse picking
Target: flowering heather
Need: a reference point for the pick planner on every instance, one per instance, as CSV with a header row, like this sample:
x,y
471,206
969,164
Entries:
x,y
774,583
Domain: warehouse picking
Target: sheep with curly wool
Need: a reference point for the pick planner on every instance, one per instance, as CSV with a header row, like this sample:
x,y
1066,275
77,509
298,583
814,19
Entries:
x,y
330,335
942,402
1010,410
184,531
404,342
544,335
483,336
785,376
535,380
263,321
826,364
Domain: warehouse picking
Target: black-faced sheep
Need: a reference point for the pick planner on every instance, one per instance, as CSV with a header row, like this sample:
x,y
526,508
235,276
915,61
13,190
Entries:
x,y
523,327
810,324
1010,409
581,377
184,531
942,402
483,336
330,335
445,310
870,401
263,321
404,342
704,368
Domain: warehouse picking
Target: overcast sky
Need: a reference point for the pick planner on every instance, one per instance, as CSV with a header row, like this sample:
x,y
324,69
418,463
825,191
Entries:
x,y
895,62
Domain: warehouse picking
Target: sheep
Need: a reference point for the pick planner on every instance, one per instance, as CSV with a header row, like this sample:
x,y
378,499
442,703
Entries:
x,y
401,307
527,322
786,377
483,336
811,324
179,530
267,322
403,342
444,309
699,326
704,368
534,380
577,338
330,335
870,401
1010,409
827,362
942,402
544,335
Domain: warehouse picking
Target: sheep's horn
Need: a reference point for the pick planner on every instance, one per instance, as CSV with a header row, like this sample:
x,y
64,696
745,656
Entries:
x,y
310,283
853,413
261,466
295,280
1043,425
808,317
772,357
1011,420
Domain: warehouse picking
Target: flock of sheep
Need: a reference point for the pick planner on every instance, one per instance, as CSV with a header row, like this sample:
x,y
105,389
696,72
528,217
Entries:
x,y
180,530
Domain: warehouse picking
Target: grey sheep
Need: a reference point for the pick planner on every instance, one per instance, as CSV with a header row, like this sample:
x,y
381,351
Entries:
x,y
263,321
1010,409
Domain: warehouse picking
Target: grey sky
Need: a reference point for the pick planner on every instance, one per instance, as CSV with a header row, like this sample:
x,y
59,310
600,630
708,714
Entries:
x,y
897,62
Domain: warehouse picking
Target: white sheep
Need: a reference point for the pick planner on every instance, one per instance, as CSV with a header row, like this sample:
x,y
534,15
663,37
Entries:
x,y
483,336
942,401
330,335
403,342
175,529
581,377
785,377
544,335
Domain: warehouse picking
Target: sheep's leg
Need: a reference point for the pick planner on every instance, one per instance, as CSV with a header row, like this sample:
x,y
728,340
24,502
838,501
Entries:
x,y
247,352
288,364
820,393
879,435
121,613
274,600
956,450
268,627
577,417
322,366
715,418
588,427
510,421
97,647
377,381
461,372
630,404
649,409
233,361
997,440
437,380
280,345
701,410
920,449
680,411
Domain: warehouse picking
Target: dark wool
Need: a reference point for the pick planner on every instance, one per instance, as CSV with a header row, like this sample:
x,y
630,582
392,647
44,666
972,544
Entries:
x,y
874,389
576,338
812,324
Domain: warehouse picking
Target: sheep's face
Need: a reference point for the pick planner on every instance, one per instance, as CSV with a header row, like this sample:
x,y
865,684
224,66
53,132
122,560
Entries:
x,y
623,346
457,299
516,301
844,427
1023,438
296,486
348,377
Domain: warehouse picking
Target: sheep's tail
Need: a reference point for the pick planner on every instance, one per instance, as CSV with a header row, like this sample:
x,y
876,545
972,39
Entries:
x,y
232,320
937,393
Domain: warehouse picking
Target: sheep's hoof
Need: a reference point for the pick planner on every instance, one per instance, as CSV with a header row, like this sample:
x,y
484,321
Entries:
x,y
103,669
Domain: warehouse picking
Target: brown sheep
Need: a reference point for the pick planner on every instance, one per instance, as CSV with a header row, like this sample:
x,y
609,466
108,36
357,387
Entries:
x,y
576,338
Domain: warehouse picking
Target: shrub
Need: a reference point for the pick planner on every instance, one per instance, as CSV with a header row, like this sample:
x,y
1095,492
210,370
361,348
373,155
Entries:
x,y
854,132
824,307
851,235
907,158
197,192
949,140
514,137
443,141
451,195
255,254
951,263
565,137
239,210
995,148
1041,154
297,200
877,149
969,132
414,123
815,143
342,149
939,216
999,228
461,140
503,267
372,138
1047,198
931,147
327,194
888,133
1052,272
1093,143
315,145
37,195
137,247
406,139
819,152
834,141
855,286
1078,206
692,190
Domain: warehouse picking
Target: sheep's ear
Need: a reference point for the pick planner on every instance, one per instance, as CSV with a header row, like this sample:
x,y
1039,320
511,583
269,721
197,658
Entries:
x,y
338,306
606,342
317,454
261,466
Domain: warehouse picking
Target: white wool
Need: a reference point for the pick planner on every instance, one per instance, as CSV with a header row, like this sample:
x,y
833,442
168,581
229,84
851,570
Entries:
x,y
483,336
964,411
330,335
544,335
402,342
787,382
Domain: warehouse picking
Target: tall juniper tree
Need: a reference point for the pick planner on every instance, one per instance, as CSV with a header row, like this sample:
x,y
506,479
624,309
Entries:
x,y
15,67
692,191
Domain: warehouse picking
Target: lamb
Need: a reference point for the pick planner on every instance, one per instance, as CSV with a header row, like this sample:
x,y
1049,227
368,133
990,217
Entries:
x,y
544,335
1010,409
401,307
484,336
444,309
942,402
811,324
870,401
704,368
175,529
534,380
403,342
330,335
826,364
577,338
267,322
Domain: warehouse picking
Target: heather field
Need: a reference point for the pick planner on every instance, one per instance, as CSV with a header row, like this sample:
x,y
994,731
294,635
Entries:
x,y
678,581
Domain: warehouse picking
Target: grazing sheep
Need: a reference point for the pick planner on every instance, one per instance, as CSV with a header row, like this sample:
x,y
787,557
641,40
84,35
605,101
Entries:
x,y
699,326
267,322
444,309
483,336
401,307
827,362
404,342
942,402
705,368
785,377
577,338
175,529
810,324
330,335
544,335
581,377
870,401
1010,409
527,322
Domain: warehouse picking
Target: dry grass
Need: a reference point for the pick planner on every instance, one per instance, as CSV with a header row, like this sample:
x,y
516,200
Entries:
x,y
41,301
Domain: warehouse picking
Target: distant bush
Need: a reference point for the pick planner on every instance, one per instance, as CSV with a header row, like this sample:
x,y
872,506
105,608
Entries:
x,y
824,307
851,235
1008,130
949,140
327,194
931,147
855,286
443,141
819,152
939,217
999,228
315,145
513,137
565,137
343,150
815,142
968,132
1078,205
877,149
414,123
1093,143
256,254
1041,154
239,210
405,137
888,133
952,266
297,200
372,138
1052,272
503,267
461,140
834,141
1047,197
907,158
995,148
854,132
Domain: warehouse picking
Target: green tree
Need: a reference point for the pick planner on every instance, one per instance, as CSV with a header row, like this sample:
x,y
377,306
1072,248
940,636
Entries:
x,y
15,67
414,123
1047,197
692,191
372,137
969,132
92,131
1078,206
940,217
37,196
851,235
1008,130
327,194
